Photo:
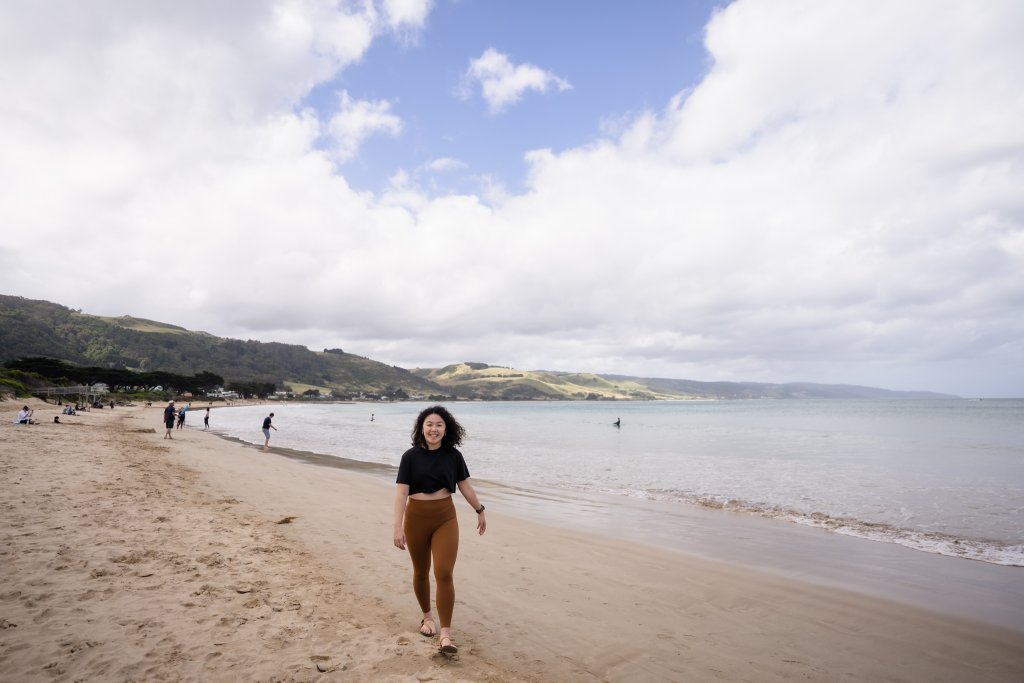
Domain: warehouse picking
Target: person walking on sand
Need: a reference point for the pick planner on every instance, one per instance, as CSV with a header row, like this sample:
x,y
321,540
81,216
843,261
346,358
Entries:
x,y
267,426
169,419
425,519
206,420
181,416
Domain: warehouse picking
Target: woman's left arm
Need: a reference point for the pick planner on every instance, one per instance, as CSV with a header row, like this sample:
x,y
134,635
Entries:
x,y
469,493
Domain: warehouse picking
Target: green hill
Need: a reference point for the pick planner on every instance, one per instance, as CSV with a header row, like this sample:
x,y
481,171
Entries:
x,y
479,380
40,328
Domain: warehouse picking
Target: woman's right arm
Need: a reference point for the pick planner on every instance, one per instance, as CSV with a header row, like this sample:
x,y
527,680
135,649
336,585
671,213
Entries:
x,y
401,498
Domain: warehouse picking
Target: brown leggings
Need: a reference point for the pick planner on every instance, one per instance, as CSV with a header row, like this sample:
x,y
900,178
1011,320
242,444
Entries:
x,y
431,528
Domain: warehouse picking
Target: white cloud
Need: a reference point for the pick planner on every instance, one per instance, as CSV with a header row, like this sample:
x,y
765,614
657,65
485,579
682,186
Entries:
x,y
358,119
503,83
443,165
402,14
824,200
837,200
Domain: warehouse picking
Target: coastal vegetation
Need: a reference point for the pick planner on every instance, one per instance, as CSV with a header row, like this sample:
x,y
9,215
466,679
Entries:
x,y
482,381
134,352
31,328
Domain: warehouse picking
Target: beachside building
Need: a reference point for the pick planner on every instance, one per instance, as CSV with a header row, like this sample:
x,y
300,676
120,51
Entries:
x,y
221,393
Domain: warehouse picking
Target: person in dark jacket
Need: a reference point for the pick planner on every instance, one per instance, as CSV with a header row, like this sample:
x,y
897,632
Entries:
x,y
169,419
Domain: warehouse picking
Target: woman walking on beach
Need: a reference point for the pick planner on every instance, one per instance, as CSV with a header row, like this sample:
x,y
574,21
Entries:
x,y
425,518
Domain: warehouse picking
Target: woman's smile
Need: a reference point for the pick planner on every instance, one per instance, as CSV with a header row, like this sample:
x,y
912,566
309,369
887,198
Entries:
x,y
433,431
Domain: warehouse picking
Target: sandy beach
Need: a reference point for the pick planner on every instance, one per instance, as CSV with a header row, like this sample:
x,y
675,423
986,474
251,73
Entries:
x,y
127,557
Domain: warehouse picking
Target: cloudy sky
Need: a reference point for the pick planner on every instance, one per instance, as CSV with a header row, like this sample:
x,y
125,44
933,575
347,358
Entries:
x,y
776,190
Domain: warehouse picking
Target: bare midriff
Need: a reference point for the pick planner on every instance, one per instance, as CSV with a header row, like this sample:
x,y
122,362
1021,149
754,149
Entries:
x,y
436,495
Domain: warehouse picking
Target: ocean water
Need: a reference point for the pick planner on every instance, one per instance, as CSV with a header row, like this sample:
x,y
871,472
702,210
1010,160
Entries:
x,y
943,476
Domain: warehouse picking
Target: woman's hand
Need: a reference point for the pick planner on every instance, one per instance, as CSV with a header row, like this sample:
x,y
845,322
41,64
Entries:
x,y
469,493
401,498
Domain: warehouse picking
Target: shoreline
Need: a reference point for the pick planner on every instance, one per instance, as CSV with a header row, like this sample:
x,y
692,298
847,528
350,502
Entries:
x,y
134,557
867,504
989,593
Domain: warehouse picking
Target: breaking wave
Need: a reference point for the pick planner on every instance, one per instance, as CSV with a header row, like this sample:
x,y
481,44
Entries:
x,y
983,550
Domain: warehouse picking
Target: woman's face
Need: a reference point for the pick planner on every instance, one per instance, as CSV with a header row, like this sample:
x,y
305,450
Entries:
x,y
433,431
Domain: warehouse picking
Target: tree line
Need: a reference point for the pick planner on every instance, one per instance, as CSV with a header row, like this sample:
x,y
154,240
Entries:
x,y
32,328
116,379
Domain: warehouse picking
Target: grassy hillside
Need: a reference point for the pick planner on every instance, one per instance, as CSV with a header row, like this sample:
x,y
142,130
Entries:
x,y
40,328
479,380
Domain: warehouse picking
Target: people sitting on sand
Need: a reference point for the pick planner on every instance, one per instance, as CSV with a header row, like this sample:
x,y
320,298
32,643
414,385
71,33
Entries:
x,y
25,417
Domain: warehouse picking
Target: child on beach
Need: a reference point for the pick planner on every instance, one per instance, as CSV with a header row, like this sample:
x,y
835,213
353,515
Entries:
x,y
181,416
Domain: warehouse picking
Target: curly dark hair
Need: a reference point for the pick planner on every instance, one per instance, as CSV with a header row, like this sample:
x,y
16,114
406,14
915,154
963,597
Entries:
x,y
453,431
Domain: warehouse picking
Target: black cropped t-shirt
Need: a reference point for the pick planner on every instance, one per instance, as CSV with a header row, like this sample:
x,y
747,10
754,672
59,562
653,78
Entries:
x,y
428,471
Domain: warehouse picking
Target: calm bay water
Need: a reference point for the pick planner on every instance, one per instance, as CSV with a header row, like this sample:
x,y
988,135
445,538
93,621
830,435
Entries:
x,y
941,476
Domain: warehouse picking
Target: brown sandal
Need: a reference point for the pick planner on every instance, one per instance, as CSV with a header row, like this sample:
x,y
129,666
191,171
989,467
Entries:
x,y
430,632
449,649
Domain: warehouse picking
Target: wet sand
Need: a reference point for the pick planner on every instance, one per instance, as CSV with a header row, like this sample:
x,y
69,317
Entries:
x,y
986,593
129,557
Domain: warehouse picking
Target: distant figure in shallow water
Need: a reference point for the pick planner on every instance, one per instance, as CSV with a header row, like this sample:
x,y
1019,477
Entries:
x,y
618,422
